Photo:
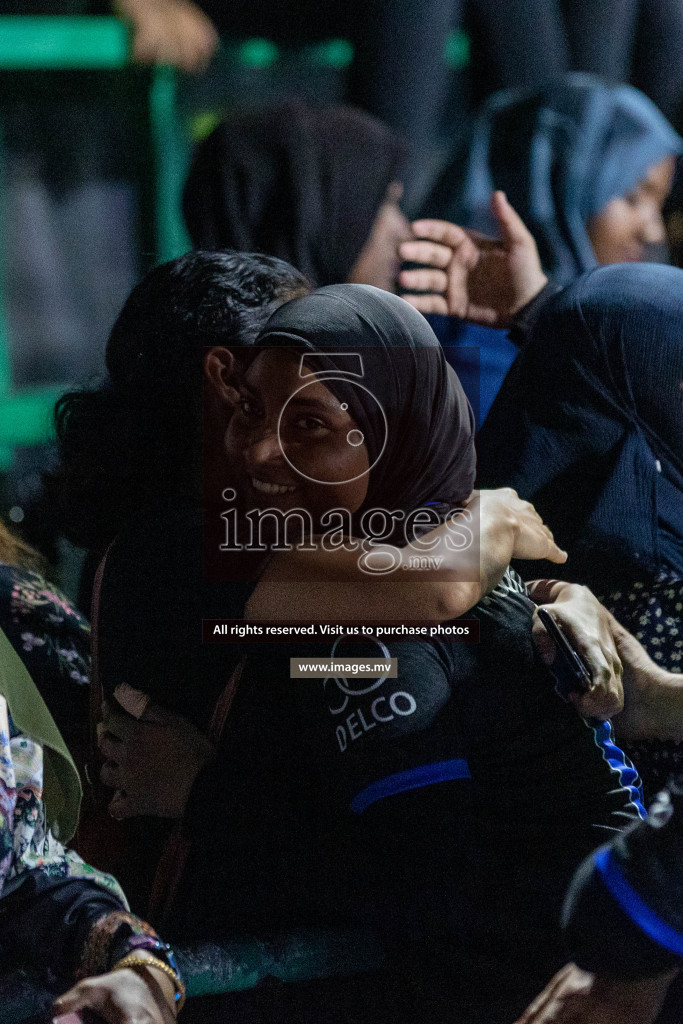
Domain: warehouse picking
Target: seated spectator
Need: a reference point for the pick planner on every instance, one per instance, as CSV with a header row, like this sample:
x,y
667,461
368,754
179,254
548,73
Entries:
x,y
139,435
588,426
136,443
586,165
628,896
50,636
60,918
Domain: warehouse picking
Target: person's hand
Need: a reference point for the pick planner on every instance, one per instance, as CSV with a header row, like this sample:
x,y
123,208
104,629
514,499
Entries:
x,y
174,32
151,763
653,697
469,275
122,997
589,629
575,997
533,539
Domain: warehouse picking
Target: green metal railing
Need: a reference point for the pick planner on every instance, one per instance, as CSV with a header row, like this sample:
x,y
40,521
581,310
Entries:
x,y
95,44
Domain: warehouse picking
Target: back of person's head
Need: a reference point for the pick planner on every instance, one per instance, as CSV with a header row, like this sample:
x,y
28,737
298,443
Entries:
x,y
300,182
561,154
138,437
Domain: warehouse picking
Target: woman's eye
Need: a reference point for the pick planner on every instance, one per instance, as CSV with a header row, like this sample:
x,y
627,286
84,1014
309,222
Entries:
x,y
310,424
633,198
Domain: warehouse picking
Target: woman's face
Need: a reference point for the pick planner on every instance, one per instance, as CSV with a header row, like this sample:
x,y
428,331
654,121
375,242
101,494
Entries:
x,y
378,262
623,230
292,443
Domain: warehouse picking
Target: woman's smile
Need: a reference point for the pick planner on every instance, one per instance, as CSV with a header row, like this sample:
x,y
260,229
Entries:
x,y
268,487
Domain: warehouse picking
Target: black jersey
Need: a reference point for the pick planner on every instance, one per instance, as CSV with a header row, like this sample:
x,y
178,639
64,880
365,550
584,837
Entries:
x,y
445,808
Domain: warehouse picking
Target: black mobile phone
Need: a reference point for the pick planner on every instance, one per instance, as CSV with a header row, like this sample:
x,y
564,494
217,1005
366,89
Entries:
x,y
571,675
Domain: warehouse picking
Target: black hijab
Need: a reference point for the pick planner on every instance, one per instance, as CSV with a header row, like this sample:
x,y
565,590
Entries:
x,y
589,422
302,183
417,423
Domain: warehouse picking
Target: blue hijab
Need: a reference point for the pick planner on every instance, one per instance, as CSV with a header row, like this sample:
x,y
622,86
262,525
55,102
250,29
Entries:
x,y
561,154
589,422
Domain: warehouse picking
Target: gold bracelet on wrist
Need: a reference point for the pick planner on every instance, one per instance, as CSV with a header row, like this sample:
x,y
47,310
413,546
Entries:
x,y
138,963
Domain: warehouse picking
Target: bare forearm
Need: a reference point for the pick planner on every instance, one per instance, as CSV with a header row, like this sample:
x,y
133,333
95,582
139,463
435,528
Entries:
x,y
438,576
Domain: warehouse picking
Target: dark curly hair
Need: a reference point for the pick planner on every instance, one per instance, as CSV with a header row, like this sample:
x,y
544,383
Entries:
x,y
138,436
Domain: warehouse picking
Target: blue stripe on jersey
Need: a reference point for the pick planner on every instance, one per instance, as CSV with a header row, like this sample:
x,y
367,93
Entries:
x,y
413,778
634,906
617,760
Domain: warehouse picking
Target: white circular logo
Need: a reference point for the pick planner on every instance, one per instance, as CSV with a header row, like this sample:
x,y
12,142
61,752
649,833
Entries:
x,y
355,437
354,687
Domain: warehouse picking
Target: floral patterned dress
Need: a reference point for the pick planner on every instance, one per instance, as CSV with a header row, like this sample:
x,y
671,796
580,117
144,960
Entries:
x,y
70,899
653,611
53,640
26,843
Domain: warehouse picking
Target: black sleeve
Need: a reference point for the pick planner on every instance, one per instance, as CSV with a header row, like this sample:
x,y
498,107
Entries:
x,y
523,321
45,922
624,911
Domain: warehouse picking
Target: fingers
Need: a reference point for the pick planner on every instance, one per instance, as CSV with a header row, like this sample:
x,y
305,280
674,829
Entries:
x,y
449,235
586,625
111,775
177,33
547,1007
427,280
513,230
534,1013
131,700
555,553
605,699
89,995
428,303
430,253
111,748
119,724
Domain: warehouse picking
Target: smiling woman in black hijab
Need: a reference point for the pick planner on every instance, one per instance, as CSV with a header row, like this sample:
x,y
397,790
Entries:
x,y
300,182
381,361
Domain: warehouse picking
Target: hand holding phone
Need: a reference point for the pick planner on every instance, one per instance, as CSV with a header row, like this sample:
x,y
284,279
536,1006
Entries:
x,y
571,674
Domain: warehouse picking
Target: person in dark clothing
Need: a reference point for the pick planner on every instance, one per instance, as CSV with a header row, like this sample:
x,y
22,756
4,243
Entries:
x,y
588,425
60,918
444,808
626,895
524,44
399,73
587,166
304,184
